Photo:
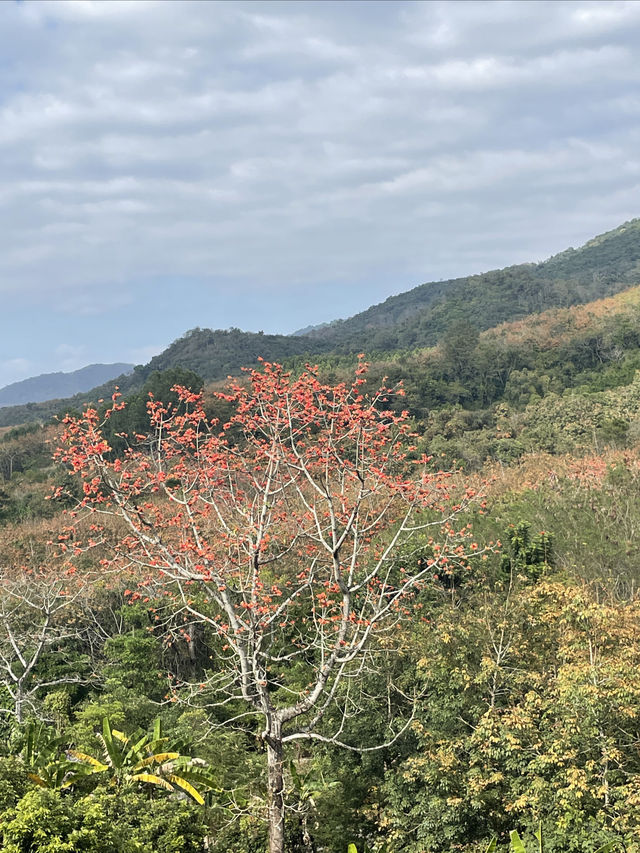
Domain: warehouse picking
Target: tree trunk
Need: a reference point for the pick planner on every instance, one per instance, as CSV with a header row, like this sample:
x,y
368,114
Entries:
x,y
191,643
275,787
18,701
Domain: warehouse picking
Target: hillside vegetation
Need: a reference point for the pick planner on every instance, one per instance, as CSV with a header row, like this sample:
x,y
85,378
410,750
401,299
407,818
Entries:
x,y
603,266
525,667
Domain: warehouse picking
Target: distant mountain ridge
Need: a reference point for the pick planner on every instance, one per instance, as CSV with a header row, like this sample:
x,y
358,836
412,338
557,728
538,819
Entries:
x,y
212,354
48,386
418,318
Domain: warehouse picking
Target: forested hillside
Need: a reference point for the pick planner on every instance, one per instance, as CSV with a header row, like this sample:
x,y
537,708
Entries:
x,y
603,266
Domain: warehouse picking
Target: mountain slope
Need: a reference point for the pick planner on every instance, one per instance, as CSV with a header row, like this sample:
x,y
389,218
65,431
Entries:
x,y
216,354
419,317
48,386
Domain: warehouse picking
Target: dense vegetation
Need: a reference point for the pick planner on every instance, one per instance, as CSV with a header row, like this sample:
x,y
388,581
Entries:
x,y
517,676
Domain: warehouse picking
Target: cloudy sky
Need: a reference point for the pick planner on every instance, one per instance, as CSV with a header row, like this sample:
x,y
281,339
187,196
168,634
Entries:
x,y
165,165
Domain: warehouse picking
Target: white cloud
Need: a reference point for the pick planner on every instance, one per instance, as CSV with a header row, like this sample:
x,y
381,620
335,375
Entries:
x,y
599,18
82,10
255,149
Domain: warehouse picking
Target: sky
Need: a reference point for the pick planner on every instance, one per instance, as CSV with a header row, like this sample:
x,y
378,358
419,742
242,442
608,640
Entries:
x,y
166,165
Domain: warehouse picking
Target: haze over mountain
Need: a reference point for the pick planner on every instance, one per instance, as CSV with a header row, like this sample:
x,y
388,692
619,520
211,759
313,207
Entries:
x,y
48,386
605,265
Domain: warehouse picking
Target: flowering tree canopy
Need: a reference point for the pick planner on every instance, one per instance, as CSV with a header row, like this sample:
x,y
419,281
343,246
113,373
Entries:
x,y
278,529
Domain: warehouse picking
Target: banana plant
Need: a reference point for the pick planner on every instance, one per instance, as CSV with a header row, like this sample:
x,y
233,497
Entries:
x,y
47,764
148,759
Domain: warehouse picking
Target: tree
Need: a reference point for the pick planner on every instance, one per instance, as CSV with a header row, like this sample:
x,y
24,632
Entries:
x,y
33,602
530,714
104,821
277,530
459,345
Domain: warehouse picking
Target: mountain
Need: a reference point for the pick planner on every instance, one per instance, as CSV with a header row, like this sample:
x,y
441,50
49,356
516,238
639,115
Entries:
x,y
216,354
48,386
211,354
604,266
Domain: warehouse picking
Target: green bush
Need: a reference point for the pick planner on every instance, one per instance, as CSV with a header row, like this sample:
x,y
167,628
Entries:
x,y
45,821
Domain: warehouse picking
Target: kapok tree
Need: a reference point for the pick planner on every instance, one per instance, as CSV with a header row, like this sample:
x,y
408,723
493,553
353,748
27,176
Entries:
x,y
277,529
34,601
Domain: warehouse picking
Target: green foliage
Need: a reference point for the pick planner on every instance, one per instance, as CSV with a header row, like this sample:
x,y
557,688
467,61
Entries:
x,y
134,662
592,516
145,758
14,781
48,764
517,845
44,821
529,555
530,713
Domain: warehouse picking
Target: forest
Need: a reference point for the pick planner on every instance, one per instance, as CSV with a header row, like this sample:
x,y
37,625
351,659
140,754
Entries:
x,y
363,603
